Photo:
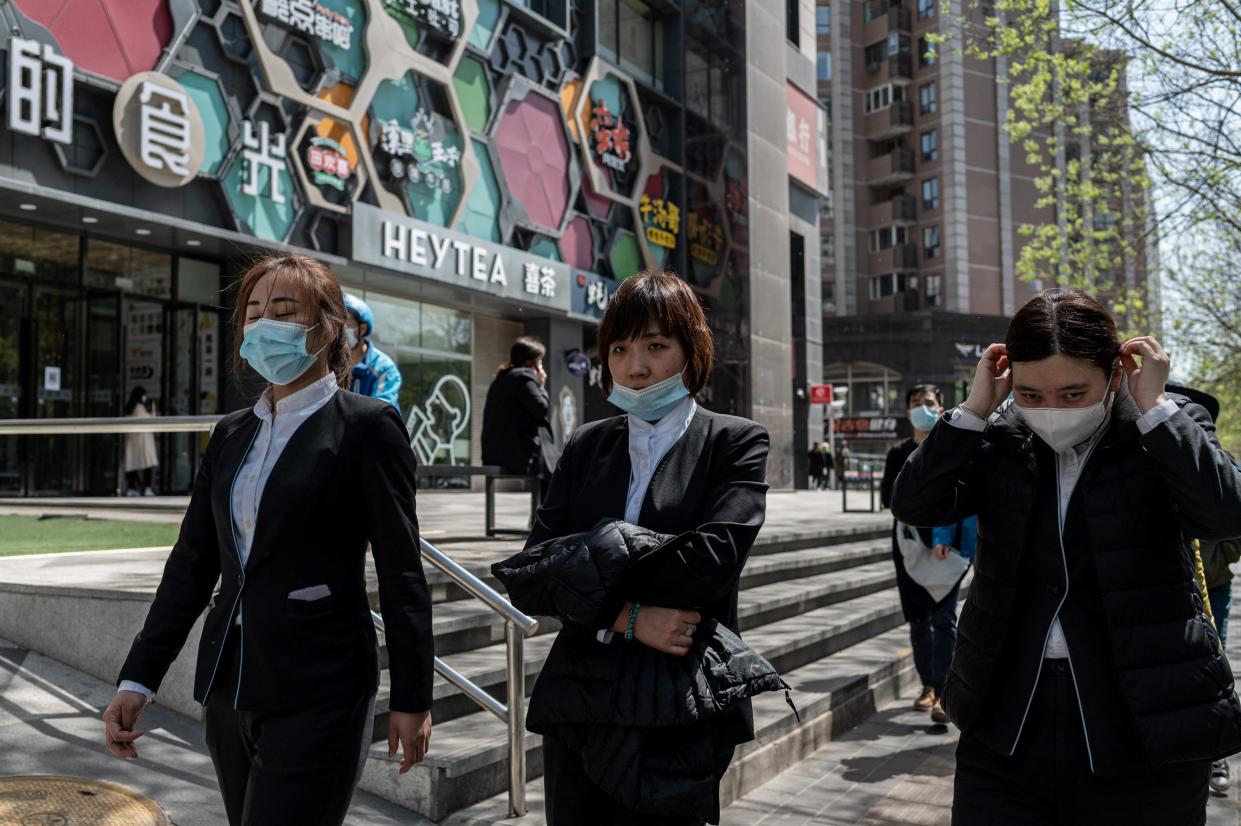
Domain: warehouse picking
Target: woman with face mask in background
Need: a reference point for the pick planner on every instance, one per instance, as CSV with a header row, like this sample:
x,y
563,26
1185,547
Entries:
x,y
288,495
1087,679
638,549
928,573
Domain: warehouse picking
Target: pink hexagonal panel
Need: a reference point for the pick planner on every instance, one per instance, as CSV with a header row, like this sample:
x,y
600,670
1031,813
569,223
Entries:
x,y
575,245
112,38
534,157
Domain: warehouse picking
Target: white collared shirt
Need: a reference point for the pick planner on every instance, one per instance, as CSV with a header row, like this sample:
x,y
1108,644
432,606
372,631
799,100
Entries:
x,y
273,437
1070,465
270,441
649,442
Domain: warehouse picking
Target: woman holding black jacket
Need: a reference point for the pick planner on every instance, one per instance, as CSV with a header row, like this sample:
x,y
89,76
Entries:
x,y
1087,679
638,549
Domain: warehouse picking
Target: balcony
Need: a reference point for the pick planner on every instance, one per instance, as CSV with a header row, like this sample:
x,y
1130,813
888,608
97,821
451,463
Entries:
x,y
895,259
897,69
880,23
893,168
897,119
899,211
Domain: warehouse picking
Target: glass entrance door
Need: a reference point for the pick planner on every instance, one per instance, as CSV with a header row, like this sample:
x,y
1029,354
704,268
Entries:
x,y
12,309
103,391
55,460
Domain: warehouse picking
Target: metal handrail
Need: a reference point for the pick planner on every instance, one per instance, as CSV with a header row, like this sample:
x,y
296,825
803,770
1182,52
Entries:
x,y
116,424
517,626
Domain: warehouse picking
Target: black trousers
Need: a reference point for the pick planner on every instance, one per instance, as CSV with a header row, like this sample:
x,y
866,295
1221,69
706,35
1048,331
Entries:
x,y
1048,781
573,799
285,767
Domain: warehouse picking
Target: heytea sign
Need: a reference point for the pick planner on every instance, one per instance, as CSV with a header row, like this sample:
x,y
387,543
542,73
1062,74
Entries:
x,y
384,239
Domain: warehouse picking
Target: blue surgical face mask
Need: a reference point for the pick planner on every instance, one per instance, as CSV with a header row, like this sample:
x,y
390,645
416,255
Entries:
x,y
352,336
923,418
651,403
277,349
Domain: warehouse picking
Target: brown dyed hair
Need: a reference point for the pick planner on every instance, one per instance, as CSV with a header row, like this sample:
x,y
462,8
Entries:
x,y
317,285
524,349
665,300
1068,322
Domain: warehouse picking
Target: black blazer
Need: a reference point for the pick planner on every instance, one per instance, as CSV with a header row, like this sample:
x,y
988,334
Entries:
x,y
345,478
711,486
517,433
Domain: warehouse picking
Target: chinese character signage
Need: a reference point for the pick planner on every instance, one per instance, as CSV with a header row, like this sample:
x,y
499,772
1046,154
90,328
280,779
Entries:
x,y
159,129
867,427
662,220
706,238
310,18
263,151
802,133
592,293
441,16
609,137
40,91
416,247
328,163
421,154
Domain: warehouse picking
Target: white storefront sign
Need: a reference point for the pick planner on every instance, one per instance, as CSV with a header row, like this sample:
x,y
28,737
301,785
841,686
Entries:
x,y
311,18
40,91
159,129
263,150
408,245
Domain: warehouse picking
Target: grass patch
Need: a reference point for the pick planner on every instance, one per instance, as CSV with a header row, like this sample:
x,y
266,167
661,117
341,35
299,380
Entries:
x,y
21,535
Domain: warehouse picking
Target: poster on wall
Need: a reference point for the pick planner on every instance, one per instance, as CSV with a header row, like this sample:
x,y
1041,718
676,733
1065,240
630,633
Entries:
x,y
144,337
208,363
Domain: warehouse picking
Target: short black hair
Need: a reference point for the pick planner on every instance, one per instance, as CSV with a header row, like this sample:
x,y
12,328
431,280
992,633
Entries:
x,y
919,389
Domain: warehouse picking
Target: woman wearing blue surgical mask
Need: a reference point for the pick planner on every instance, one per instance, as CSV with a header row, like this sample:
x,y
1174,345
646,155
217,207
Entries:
x,y
1087,676
288,664
930,563
686,489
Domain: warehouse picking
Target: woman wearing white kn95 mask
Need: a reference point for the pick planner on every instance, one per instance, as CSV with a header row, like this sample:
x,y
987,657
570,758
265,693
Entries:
x,y
1087,677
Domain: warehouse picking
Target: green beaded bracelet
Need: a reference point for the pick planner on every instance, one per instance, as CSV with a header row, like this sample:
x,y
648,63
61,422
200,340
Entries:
x,y
633,618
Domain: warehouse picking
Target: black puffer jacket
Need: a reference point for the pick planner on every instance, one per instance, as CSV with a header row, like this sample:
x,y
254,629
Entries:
x,y
1154,688
641,719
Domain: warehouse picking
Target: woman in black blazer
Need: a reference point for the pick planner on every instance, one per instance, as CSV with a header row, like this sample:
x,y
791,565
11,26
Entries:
x,y
287,497
674,468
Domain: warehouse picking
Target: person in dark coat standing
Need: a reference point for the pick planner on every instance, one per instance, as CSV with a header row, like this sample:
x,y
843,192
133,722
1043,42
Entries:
x,y
1088,680
517,430
815,467
674,468
932,622
288,663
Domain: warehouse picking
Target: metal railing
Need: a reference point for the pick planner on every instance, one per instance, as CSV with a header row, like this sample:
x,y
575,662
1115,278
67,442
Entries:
x,y
109,425
517,626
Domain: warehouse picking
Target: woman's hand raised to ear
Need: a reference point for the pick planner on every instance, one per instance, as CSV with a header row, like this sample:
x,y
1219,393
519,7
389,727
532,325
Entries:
x,y
993,381
1146,380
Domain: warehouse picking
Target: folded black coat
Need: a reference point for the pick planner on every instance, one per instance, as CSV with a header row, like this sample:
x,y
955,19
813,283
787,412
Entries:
x,y
641,719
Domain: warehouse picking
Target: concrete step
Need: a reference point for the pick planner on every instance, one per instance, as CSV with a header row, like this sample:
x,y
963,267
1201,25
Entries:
x,y
462,625
756,607
468,762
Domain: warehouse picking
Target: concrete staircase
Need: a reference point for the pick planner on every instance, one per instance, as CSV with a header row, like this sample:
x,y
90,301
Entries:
x,y
821,606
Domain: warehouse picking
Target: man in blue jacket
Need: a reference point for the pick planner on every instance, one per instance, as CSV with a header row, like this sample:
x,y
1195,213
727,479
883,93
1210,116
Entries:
x,y
375,374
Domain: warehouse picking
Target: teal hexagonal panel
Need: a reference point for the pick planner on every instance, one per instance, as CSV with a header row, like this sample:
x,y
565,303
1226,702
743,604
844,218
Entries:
x,y
351,62
485,25
546,247
260,215
213,109
482,210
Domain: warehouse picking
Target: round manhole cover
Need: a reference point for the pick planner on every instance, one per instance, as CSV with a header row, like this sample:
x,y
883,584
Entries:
x,y
44,800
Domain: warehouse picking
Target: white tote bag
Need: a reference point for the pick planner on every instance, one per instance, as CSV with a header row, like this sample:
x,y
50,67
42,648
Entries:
x,y
936,576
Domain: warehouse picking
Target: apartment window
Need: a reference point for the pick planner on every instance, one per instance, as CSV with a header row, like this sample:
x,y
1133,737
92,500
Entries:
x,y
882,286
887,237
827,104
933,285
824,65
926,9
878,98
823,21
631,35
926,97
930,145
792,21
930,193
926,53
930,242
898,43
